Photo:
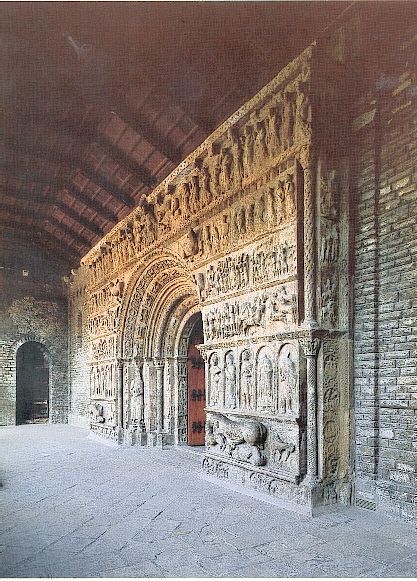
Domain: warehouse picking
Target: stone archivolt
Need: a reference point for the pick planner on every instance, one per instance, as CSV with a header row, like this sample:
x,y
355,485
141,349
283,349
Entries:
x,y
250,231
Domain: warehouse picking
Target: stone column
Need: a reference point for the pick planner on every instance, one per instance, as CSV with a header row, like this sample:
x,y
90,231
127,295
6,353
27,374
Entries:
x,y
311,347
159,367
139,370
120,377
309,249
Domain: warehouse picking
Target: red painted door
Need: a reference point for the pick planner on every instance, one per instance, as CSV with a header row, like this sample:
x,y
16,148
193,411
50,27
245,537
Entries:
x,y
196,391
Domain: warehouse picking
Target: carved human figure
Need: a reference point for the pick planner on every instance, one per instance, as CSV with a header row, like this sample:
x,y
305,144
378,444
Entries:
x,y
288,379
329,248
136,396
287,126
260,148
215,380
274,129
224,230
289,193
240,221
190,246
246,380
230,379
260,211
303,112
226,169
205,192
265,374
194,198
248,150
328,303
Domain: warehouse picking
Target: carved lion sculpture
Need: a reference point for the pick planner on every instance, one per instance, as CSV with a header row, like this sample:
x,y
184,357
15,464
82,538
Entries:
x,y
96,413
240,439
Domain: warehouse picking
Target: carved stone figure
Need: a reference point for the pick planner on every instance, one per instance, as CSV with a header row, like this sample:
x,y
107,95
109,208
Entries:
x,y
136,396
97,413
288,118
329,248
215,380
288,380
282,449
264,381
230,379
240,439
289,196
190,244
274,129
328,302
303,112
246,381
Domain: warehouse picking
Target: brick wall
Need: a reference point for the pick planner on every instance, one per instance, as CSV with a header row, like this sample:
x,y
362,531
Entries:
x,y
33,306
385,326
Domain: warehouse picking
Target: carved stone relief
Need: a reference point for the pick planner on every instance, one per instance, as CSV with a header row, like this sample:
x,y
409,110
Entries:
x,y
239,439
288,380
265,379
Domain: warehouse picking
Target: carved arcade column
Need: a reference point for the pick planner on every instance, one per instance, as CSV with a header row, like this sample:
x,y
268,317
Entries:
x,y
310,317
120,377
159,367
141,393
311,347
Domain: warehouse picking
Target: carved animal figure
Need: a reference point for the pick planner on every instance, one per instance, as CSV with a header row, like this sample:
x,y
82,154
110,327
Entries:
x,y
96,413
241,439
283,449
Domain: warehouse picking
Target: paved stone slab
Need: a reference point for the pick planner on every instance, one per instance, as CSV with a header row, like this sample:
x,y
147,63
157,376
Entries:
x,y
74,507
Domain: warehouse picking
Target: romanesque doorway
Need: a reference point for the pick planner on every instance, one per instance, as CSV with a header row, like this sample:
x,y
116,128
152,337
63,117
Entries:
x,y
196,388
32,384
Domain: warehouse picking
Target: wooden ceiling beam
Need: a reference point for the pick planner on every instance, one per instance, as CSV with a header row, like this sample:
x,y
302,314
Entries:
x,y
82,136
38,237
70,165
46,218
58,183
20,196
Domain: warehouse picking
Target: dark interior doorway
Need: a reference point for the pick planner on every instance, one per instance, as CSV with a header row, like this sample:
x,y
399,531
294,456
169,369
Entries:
x,y
196,387
32,384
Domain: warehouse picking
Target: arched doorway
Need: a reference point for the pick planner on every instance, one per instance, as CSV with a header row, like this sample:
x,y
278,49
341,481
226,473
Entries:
x,y
32,384
196,416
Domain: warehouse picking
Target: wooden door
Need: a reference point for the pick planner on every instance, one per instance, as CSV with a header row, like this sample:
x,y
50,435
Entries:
x,y
196,392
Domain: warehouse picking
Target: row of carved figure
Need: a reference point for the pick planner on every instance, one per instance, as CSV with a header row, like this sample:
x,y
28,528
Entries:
x,y
224,167
103,380
271,261
252,382
258,213
245,317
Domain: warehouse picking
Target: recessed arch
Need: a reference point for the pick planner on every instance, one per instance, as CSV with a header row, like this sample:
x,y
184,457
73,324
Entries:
x,y
161,308
32,383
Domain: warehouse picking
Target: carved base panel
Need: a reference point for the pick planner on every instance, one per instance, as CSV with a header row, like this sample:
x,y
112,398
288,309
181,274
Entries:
x,y
300,497
135,437
110,433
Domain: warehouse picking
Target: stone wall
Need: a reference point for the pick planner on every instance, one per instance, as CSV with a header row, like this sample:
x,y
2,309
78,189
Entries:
x,y
385,331
33,307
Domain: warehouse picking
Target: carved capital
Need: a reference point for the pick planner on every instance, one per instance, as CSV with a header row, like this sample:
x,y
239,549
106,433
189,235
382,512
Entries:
x,y
310,346
158,362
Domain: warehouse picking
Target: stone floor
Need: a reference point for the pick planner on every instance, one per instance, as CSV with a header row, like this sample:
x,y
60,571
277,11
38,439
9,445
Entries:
x,y
75,507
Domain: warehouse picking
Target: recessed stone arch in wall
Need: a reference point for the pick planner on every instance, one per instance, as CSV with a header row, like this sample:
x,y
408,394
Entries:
x,y
161,305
